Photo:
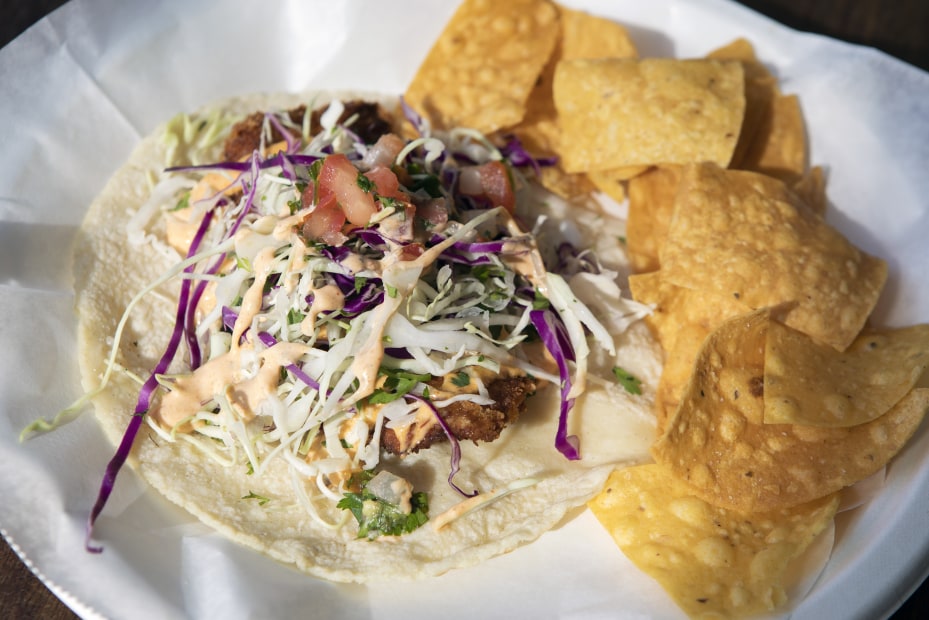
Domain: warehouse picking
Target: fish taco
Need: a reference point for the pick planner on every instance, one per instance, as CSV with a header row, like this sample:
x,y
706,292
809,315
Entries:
x,y
359,345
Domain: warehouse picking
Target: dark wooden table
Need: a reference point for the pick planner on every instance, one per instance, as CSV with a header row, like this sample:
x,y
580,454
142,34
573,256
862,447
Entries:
x,y
897,27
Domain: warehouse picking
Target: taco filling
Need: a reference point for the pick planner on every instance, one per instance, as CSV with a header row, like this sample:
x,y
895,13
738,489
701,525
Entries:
x,y
345,302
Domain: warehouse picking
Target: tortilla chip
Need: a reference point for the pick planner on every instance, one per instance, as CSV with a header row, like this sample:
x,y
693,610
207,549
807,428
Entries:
x,y
760,91
718,443
712,561
485,63
622,112
651,205
811,189
612,182
581,36
676,307
745,235
587,36
813,384
676,372
681,320
779,149
568,186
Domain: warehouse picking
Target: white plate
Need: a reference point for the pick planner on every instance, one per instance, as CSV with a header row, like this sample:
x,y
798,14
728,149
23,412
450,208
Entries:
x,y
82,87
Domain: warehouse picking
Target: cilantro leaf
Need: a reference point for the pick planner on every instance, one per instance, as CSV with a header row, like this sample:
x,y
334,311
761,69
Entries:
x,y
377,517
262,500
627,380
398,383
461,379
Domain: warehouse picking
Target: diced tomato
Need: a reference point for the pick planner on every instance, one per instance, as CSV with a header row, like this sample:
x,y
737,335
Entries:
x,y
495,179
386,182
325,222
495,185
340,177
411,251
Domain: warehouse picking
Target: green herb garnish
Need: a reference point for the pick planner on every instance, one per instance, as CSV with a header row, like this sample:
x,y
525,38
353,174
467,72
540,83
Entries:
x,y
377,517
627,380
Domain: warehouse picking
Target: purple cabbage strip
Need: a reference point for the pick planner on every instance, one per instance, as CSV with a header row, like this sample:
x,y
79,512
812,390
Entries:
x,y
289,140
415,119
269,341
143,403
193,347
151,384
516,154
335,253
456,447
552,332
229,316
279,159
451,256
371,237
370,296
481,246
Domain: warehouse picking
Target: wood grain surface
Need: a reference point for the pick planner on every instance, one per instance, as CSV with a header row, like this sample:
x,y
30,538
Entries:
x,y
898,27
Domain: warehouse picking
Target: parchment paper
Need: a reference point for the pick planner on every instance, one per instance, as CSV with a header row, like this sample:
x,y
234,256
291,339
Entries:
x,y
82,86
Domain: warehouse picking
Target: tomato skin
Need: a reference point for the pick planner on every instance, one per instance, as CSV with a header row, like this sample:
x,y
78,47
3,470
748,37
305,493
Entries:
x,y
495,185
495,179
386,182
339,176
324,223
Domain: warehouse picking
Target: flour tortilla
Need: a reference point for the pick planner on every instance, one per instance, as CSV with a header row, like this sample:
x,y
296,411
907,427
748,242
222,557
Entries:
x,y
614,426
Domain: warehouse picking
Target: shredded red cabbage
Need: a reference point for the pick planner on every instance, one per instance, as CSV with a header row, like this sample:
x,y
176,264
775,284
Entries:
x,y
555,338
269,341
516,154
456,447
145,397
415,119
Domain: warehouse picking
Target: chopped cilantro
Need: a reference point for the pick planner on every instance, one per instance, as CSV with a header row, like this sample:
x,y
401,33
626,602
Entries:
x,y
387,202
183,203
314,169
397,384
243,263
294,317
486,272
628,381
262,500
366,184
540,302
294,205
379,518
461,379
429,183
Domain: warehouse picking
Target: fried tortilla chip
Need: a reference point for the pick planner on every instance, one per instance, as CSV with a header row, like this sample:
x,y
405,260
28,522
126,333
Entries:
x,y
713,562
681,320
718,443
760,91
813,384
611,182
651,205
485,63
622,112
581,36
745,235
779,149
811,189
588,36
